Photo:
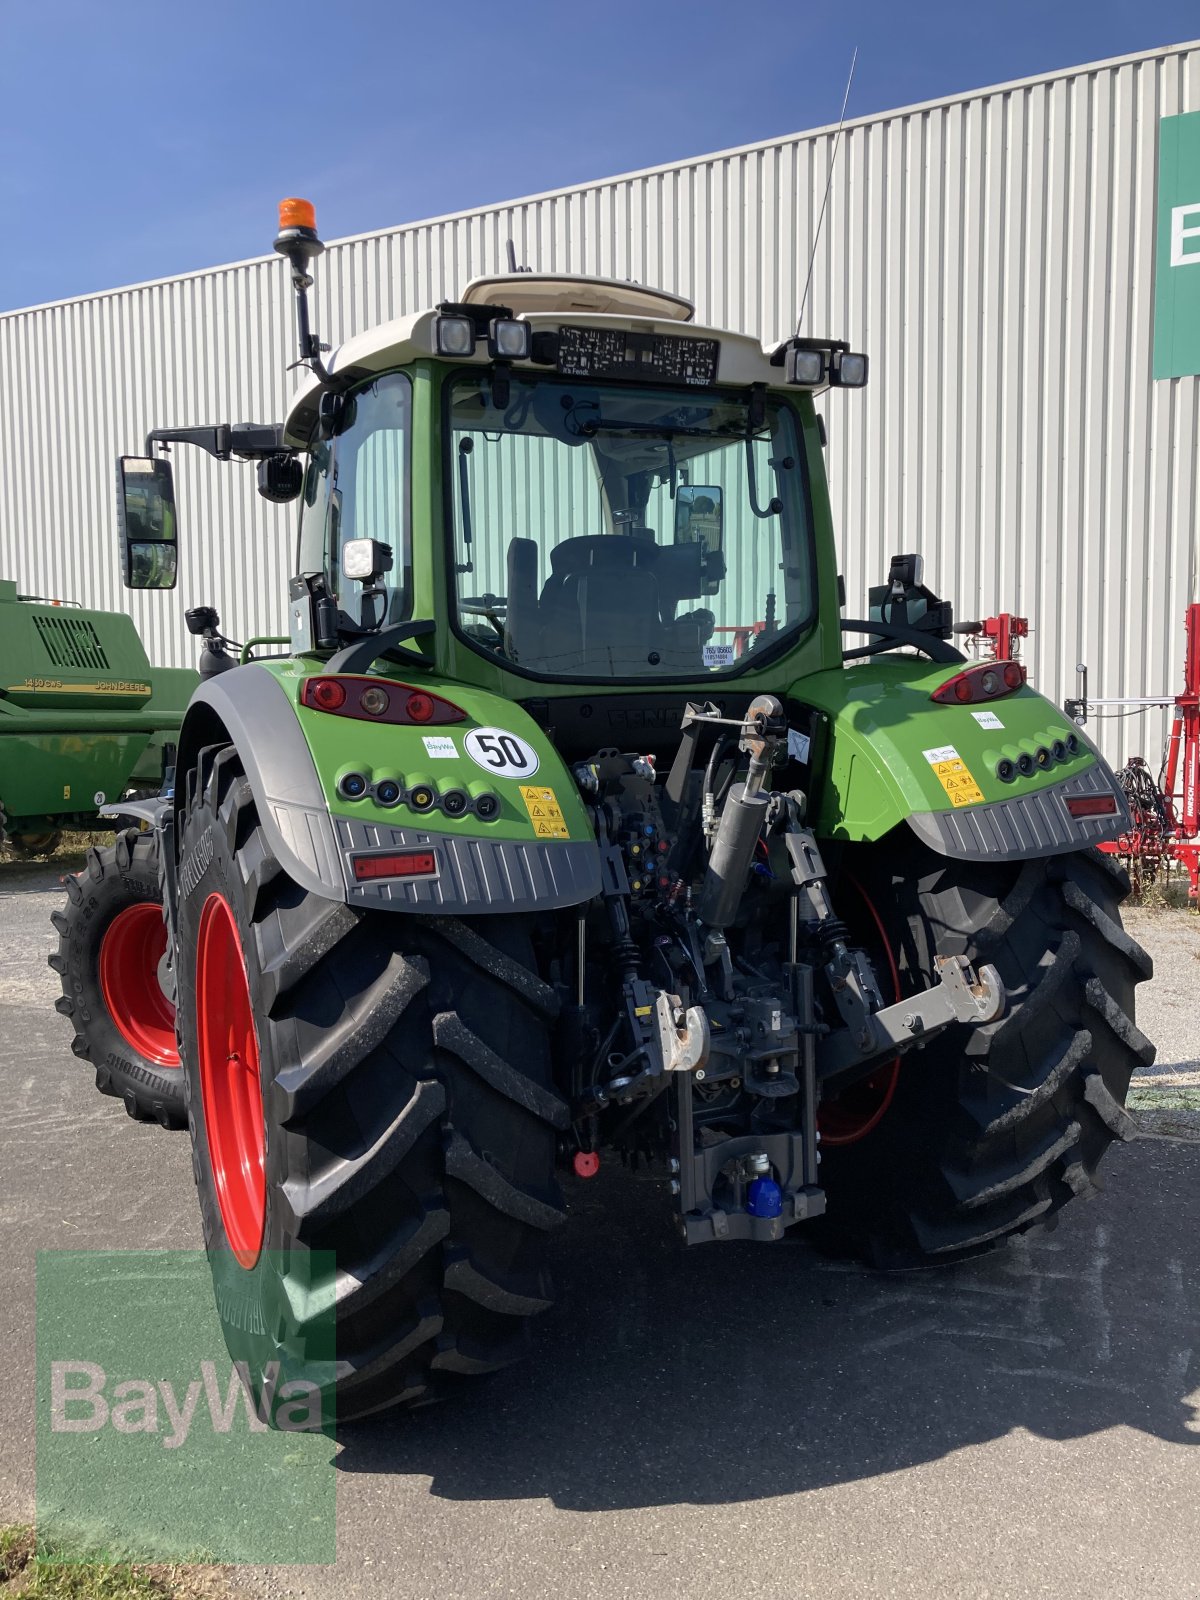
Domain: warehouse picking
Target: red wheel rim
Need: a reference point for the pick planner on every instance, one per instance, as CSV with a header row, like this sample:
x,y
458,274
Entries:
x,y
229,1083
858,1112
134,943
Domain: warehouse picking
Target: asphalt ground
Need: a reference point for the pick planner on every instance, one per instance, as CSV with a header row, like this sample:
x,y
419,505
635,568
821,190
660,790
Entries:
x,y
729,1420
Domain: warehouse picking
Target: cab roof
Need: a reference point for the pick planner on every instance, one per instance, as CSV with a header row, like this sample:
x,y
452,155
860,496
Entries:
x,y
546,302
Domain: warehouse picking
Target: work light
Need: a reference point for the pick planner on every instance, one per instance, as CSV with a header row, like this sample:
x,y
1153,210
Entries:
x,y
455,336
509,340
848,369
805,366
364,559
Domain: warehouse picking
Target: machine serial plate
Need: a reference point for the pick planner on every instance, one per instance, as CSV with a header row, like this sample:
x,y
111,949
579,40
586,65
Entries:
x,y
617,353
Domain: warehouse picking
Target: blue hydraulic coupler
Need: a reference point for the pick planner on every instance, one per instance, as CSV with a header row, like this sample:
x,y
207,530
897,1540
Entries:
x,y
764,1198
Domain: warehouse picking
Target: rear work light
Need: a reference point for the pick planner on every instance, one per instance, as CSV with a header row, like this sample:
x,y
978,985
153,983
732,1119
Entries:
x,y
377,700
848,369
987,681
509,340
399,864
454,336
1092,805
806,367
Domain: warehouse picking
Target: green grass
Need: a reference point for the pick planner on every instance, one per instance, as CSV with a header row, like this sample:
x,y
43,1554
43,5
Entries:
x,y
16,1547
26,1575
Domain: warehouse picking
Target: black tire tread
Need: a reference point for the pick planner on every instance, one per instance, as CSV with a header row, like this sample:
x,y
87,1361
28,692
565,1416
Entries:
x,y
139,1086
994,1129
417,1146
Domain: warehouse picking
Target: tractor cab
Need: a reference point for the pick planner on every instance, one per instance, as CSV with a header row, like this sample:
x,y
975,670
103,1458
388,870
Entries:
x,y
621,496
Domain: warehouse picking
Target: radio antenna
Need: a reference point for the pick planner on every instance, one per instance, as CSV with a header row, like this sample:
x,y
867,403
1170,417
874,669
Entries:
x,y
828,185
512,259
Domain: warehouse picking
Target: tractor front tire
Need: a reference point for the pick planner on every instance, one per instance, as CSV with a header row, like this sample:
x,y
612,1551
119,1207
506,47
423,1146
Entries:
x,y
992,1130
373,1119
111,943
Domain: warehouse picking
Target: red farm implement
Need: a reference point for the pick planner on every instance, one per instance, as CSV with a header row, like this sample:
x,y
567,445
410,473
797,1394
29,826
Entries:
x,y
1165,809
995,638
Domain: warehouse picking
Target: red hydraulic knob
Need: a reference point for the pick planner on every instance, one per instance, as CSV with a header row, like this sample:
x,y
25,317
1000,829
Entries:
x,y
586,1163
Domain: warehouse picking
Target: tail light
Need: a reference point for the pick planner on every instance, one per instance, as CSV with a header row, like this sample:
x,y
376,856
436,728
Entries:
x,y
1092,805
979,684
378,700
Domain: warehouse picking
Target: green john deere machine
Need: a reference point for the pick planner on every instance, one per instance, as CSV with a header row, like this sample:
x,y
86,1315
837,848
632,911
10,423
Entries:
x,y
83,716
578,817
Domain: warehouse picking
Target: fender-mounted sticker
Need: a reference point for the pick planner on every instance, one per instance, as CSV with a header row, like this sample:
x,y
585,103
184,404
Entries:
x,y
544,812
440,746
952,772
501,753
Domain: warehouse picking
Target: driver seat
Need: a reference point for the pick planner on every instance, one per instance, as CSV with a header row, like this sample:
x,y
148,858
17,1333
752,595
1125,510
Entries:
x,y
522,627
600,607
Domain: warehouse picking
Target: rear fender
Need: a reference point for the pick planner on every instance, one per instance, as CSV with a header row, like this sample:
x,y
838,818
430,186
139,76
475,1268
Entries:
x,y
292,756
887,754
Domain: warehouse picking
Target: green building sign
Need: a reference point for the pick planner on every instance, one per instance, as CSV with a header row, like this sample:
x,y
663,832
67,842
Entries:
x,y
1177,257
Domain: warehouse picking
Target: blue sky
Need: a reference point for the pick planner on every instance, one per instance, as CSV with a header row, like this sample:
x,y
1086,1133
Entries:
x,y
146,139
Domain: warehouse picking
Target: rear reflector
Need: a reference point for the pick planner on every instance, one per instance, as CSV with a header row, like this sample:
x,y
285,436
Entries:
x,y
403,864
1092,805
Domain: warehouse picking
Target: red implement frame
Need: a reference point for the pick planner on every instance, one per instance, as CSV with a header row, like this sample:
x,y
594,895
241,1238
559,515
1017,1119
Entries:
x,y
997,638
1173,836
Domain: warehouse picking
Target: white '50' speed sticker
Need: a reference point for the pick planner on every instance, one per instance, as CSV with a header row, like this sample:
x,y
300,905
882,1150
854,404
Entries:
x,y
501,753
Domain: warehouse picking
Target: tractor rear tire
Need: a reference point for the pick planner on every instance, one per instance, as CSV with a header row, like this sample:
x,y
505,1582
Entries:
x,y
373,1120
992,1130
111,940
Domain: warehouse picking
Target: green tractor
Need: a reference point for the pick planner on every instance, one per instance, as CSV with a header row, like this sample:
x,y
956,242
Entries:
x,y
570,824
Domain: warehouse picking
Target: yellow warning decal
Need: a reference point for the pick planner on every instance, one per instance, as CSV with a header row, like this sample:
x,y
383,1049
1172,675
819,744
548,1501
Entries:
x,y
544,812
952,772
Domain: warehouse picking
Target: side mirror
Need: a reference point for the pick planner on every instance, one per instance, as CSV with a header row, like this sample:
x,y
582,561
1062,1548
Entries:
x,y
146,519
699,520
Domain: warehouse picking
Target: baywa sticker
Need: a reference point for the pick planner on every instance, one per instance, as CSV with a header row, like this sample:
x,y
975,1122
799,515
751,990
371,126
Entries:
x,y
439,746
987,719
503,754
544,812
952,772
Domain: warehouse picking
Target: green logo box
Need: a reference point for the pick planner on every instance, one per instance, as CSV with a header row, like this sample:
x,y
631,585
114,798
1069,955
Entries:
x,y
1177,248
149,1445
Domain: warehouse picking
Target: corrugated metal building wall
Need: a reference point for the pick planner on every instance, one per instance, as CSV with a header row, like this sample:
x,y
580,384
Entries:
x,y
993,252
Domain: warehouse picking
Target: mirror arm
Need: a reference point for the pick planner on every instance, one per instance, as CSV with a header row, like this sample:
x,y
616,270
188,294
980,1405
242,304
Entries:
x,y
253,441
212,440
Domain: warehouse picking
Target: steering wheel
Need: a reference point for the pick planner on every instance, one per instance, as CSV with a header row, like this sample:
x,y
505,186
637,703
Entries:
x,y
486,605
